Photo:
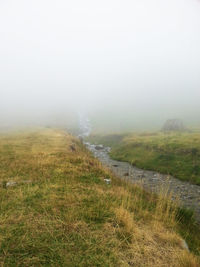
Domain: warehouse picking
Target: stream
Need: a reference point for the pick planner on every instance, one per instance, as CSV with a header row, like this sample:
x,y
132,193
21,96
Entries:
x,y
188,194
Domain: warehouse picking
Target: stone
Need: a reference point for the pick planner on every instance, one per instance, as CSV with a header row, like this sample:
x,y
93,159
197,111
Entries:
x,y
72,147
11,184
99,147
108,181
108,149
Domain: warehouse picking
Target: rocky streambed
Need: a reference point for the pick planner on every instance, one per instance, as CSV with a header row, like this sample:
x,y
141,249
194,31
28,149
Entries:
x,y
188,194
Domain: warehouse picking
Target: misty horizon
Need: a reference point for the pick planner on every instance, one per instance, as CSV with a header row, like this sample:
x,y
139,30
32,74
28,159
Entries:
x,y
125,65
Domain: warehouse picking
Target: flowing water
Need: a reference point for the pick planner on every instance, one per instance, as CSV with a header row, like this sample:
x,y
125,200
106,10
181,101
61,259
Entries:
x,y
188,194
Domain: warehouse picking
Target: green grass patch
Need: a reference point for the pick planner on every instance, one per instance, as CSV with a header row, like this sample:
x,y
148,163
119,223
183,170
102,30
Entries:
x,y
177,154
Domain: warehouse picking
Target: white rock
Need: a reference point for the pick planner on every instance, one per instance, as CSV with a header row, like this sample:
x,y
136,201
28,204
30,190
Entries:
x,y
11,183
108,181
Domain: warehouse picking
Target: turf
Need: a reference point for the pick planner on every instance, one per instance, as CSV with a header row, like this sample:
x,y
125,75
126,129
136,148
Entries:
x,y
60,212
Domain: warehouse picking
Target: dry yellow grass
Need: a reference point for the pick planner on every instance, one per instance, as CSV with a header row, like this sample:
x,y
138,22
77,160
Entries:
x,y
62,213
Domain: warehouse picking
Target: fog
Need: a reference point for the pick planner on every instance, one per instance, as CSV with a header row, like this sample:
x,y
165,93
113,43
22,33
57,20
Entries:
x,y
125,64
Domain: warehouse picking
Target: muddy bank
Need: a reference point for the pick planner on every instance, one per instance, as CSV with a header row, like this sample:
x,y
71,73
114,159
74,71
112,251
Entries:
x,y
189,194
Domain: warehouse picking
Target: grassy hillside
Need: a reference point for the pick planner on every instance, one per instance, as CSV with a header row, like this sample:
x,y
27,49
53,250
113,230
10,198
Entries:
x,y
61,212
177,154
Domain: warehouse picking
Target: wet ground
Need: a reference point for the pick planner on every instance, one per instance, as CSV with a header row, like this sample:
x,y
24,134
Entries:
x,y
188,194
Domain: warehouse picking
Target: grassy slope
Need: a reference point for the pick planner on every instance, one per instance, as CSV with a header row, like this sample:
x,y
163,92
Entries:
x,y
177,154
62,213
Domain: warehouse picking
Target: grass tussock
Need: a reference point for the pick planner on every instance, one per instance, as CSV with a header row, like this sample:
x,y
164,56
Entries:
x,y
177,154
60,212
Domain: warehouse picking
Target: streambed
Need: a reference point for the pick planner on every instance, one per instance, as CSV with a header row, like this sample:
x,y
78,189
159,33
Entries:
x,y
188,194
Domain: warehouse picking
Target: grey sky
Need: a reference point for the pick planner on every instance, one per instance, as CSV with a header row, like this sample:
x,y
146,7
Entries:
x,y
140,57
